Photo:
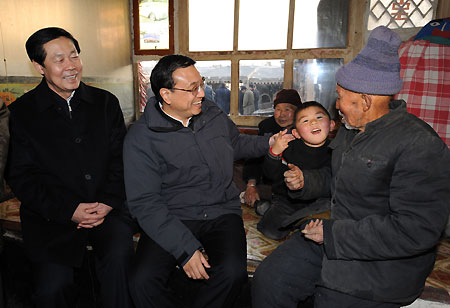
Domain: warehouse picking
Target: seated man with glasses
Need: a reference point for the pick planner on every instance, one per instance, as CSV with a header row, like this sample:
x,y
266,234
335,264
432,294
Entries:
x,y
178,174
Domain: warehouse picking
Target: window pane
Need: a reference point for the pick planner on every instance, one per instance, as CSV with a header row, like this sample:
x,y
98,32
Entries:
x,y
154,24
145,89
314,80
218,82
320,23
265,78
263,24
400,13
212,31
217,74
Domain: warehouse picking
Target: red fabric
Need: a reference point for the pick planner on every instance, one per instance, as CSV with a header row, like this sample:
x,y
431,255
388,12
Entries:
x,y
425,70
276,155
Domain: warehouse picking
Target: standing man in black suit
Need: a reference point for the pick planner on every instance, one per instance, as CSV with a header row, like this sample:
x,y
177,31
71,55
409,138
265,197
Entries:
x,y
65,166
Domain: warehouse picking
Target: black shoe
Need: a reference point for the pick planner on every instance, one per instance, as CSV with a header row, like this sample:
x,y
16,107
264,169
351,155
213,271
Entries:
x,y
261,206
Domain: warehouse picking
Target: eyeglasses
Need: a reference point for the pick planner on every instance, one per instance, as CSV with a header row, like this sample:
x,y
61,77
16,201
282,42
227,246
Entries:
x,y
194,90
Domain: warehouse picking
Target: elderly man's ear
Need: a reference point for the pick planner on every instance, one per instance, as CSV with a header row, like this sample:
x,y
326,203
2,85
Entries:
x,y
367,101
332,125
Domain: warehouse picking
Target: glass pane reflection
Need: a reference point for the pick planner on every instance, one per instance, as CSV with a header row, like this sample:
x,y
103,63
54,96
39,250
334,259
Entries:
x,y
314,80
259,80
145,90
218,82
212,31
320,24
263,24
217,75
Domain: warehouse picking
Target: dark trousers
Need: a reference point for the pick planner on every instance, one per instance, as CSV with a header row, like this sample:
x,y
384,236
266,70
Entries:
x,y
289,275
112,243
224,241
271,224
279,220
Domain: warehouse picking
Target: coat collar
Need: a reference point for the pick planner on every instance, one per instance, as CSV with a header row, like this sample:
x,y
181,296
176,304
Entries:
x,y
158,121
397,109
47,98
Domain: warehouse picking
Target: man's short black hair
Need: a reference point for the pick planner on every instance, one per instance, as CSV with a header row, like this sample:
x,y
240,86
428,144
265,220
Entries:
x,y
161,76
305,105
35,43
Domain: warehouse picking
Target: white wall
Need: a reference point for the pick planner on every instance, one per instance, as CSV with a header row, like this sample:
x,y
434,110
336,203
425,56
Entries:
x,y
102,27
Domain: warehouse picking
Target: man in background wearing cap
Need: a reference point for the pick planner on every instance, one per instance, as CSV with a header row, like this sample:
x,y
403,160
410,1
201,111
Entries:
x,y
390,199
285,103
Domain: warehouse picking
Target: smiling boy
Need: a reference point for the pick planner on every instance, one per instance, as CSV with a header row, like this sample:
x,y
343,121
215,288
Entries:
x,y
308,151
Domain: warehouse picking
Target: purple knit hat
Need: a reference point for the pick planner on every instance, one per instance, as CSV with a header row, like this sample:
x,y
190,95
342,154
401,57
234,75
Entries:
x,y
376,69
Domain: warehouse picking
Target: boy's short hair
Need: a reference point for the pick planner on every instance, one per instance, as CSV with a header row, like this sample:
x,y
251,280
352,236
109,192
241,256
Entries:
x,y
308,104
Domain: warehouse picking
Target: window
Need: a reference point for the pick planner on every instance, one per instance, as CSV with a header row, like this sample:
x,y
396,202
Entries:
x,y
145,90
257,27
218,82
400,13
325,25
262,46
259,80
152,24
206,37
314,80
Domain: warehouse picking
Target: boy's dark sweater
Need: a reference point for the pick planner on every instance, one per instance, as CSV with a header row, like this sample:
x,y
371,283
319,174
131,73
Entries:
x,y
299,154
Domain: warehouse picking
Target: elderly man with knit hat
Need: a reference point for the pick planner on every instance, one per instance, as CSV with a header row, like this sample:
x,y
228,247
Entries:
x,y
285,103
390,189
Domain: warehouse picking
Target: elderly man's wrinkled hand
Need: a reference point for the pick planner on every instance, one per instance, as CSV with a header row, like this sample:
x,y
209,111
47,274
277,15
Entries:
x,y
294,178
314,231
251,195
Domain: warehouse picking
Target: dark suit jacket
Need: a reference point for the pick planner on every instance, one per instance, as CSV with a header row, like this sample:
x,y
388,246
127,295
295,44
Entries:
x,y
59,159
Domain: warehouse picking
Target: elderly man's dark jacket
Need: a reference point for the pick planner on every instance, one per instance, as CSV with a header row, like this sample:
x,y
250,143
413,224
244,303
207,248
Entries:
x,y
175,173
390,203
4,139
58,160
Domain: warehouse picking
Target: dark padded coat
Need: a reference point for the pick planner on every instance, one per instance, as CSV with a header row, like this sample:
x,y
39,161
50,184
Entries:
x,y
55,163
175,173
390,203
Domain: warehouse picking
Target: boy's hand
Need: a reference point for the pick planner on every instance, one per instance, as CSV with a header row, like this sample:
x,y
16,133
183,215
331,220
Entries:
x,y
281,143
294,177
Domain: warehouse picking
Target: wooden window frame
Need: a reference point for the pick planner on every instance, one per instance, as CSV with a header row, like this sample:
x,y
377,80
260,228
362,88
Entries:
x,y
354,39
355,32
